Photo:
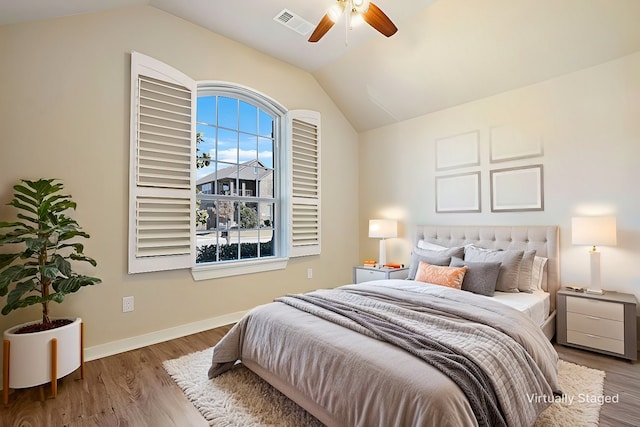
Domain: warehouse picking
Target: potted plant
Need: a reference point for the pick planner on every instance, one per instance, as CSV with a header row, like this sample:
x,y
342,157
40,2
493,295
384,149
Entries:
x,y
37,269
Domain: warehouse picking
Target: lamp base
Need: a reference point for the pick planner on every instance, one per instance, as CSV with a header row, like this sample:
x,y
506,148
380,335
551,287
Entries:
x,y
382,260
594,291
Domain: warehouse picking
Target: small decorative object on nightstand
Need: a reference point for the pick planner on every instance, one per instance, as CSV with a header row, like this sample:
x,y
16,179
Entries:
x,y
365,274
602,323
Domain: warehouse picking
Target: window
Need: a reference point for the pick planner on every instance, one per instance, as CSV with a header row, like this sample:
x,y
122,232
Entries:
x,y
238,183
223,180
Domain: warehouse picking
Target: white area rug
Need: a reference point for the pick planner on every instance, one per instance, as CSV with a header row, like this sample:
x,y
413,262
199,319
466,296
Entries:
x,y
241,398
579,406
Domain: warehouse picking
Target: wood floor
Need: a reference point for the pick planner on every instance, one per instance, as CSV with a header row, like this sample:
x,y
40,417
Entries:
x,y
128,389
133,389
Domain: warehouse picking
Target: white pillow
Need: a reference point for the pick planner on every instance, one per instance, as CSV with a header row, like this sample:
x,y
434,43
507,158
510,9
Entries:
x,y
539,274
431,246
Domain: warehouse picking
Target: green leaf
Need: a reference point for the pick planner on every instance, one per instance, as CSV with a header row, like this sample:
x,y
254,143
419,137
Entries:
x,y
7,259
78,247
78,257
50,271
73,284
10,224
16,236
63,206
44,213
22,206
35,244
71,234
27,218
15,273
63,265
19,290
26,199
55,197
21,189
30,300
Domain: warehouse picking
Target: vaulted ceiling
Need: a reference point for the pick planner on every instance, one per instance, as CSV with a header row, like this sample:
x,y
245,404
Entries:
x,y
446,52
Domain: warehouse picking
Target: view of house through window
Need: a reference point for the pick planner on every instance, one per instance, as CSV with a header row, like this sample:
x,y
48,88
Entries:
x,y
236,191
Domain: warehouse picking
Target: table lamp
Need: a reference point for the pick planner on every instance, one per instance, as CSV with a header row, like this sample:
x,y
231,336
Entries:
x,y
383,229
594,231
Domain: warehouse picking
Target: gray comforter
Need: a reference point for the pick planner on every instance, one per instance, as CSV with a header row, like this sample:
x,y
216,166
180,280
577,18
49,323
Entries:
x,y
320,347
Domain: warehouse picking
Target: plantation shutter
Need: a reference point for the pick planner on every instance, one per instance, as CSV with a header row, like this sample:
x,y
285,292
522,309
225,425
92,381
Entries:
x,y
162,167
304,160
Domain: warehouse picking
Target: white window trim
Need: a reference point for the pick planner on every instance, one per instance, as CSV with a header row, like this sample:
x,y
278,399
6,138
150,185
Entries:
x,y
228,269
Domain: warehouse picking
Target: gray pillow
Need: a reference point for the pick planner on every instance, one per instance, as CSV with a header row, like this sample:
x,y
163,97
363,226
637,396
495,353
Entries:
x,y
508,276
433,257
480,278
524,274
454,251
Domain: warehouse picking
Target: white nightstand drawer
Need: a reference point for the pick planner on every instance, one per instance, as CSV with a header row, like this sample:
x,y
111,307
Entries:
x,y
594,341
595,326
364,275
597,308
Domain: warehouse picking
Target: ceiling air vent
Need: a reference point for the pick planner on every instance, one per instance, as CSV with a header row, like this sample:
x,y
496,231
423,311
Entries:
x,y
293,21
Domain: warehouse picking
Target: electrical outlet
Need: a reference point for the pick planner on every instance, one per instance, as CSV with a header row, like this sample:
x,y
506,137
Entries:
x,y
127,304
309,273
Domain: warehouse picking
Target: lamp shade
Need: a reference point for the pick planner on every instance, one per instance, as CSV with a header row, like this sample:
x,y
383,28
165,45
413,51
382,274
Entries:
x,y
383,228
593,231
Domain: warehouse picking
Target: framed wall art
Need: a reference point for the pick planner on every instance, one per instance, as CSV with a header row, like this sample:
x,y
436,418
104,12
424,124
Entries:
x,y
458,193
513,143
517,189
458,151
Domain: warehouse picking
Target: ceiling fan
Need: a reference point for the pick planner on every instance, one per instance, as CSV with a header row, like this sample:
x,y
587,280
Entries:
x,y
357,10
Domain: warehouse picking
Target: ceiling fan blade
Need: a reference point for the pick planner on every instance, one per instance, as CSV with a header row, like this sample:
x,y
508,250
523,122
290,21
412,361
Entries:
x,y
324,25
378,20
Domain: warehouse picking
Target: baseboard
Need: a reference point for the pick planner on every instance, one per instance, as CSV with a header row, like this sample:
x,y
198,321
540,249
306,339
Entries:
x,y
133,343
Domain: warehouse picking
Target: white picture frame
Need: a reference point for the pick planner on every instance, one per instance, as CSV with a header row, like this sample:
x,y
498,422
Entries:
x,y
458,151
458,193
517,189
509,142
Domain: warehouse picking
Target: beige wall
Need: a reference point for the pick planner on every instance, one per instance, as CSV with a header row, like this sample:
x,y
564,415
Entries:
x,y
589,124
64,113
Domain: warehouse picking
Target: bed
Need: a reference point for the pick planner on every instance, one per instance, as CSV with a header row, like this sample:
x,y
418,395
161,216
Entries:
x,y
543,239
330,352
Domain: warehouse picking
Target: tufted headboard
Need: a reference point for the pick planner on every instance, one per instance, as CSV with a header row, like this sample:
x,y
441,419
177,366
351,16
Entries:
x,y
544,239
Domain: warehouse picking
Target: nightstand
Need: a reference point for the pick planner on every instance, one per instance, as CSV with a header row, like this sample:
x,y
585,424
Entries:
x,y
365,274
602,323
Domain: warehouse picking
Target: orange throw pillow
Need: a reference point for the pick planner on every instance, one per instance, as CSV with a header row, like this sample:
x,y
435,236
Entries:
x,y
450,277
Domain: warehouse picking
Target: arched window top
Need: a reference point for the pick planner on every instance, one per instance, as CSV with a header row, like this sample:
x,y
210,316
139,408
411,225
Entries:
x,y
234,90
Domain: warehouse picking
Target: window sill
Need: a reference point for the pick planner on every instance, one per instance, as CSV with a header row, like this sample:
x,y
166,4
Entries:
x,y
206,272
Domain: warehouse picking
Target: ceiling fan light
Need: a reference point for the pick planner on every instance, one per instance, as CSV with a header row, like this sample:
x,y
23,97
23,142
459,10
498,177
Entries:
x,y
361,6
335,11
356,19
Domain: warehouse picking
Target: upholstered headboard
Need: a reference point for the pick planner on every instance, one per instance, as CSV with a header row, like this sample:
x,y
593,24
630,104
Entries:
x,y
544,239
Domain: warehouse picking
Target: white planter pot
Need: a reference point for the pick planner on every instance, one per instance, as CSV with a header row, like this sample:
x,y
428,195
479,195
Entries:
x,y
30,356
